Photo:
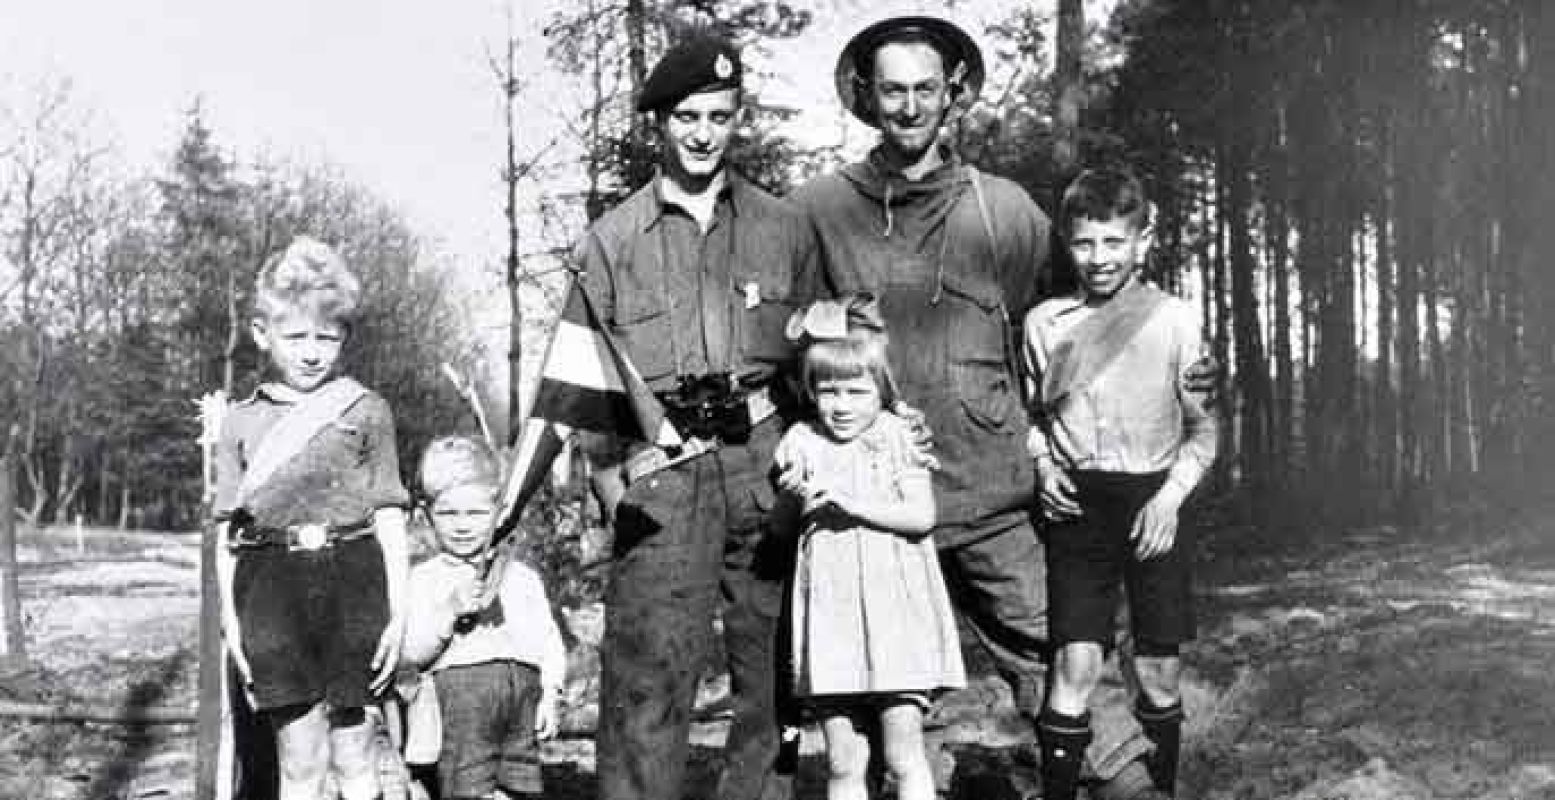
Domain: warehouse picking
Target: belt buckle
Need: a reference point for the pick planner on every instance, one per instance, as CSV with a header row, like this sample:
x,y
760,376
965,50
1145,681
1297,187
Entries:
x,y
312,536
241,536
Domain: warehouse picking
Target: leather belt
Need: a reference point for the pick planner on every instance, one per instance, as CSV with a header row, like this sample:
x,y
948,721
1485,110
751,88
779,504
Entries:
x,y
308,536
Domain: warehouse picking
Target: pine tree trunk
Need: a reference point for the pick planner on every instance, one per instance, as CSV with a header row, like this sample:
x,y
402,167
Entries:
x,y
1068,88
1284,360
1251,376
640,168
1439,416
12,638
1383,398
1230,435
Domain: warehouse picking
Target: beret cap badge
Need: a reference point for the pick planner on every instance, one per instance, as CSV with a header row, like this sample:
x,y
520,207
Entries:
x,y
723,67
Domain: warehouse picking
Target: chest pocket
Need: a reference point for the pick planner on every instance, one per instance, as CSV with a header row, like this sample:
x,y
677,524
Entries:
x,y
980,364
762,321
642,317
763,292
348,440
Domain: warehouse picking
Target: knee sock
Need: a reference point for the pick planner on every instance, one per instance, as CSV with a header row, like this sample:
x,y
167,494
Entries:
x,y
1063,739
1163,727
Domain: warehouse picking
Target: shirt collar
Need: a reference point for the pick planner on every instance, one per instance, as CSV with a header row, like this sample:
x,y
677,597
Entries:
x,y
277,392
451,561
1070,303
949,166
1076,301
729,192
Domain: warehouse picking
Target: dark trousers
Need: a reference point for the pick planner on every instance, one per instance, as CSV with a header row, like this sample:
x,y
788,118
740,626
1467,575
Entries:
x,y
488,713
687,538
998,584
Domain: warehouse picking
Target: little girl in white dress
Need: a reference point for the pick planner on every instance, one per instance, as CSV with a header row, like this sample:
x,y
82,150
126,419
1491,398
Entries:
x,y
874,637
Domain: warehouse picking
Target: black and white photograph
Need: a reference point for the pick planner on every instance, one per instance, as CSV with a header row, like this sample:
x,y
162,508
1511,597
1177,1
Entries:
x,y
777,400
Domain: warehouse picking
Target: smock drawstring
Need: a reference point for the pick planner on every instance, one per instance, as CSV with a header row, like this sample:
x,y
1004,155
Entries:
x,y
890,219
939,268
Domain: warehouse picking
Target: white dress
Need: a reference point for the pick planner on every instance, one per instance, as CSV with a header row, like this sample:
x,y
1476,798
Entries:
x,y
870,610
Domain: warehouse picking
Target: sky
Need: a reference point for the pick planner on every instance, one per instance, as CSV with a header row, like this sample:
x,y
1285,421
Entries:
x,y
396,94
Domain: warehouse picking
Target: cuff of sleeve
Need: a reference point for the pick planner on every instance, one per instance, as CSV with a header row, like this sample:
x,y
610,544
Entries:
x,y
1185,475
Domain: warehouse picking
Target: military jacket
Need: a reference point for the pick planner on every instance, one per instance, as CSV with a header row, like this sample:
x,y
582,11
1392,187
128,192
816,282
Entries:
x,y
685,303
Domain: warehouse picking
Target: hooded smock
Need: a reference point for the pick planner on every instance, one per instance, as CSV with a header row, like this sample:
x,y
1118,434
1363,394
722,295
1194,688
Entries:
x,y
956,259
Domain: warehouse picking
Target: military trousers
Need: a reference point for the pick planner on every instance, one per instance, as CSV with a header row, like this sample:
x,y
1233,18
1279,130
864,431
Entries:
x,y
692,540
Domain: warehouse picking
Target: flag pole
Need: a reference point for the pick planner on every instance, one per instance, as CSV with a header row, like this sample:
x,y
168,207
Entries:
x,y
505,521
504,525
213,777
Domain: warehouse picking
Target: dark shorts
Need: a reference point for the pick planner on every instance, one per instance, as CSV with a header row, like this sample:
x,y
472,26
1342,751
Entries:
x,y
489,739
1087,557
311,621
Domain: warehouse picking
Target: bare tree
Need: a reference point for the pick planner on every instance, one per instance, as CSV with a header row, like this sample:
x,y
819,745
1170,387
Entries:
x,y
45,184
514,173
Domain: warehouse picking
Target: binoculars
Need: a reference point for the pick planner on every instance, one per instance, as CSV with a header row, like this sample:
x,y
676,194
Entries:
x,y
709,407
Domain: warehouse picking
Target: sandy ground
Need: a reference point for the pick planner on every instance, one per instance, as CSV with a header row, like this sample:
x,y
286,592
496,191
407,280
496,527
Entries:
x,y
1369,664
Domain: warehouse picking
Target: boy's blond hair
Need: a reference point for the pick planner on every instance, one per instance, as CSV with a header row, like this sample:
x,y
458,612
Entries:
x,y
451,461
309,276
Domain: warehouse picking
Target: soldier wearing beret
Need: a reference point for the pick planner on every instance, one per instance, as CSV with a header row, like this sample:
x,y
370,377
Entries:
x,y
695,274
957,257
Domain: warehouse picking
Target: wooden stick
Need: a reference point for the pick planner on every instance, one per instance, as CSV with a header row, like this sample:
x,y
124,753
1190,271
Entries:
x,y
466,389
493,564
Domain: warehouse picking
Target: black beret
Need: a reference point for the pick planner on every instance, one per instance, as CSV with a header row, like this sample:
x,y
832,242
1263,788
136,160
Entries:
x,y
956,49
703,63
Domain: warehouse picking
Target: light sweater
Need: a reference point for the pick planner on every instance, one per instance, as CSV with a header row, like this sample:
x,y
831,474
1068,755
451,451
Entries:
x,y
526,632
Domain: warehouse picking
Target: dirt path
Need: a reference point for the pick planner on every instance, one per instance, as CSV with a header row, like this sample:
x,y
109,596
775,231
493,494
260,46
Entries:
x,y
115,627
1369,665
1375,666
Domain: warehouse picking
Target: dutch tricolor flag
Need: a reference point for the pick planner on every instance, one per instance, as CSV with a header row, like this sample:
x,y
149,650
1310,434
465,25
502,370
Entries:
x,y
586,384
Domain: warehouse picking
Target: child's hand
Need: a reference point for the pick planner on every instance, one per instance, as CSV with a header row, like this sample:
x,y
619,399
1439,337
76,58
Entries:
x,y
796,482
233,635
547,718
1056,491
386,659
922,434
1202,378
471,597
1155,528
792,480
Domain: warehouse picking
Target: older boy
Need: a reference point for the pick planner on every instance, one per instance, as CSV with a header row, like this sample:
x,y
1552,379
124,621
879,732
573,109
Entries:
x,y
1119,445
308,495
